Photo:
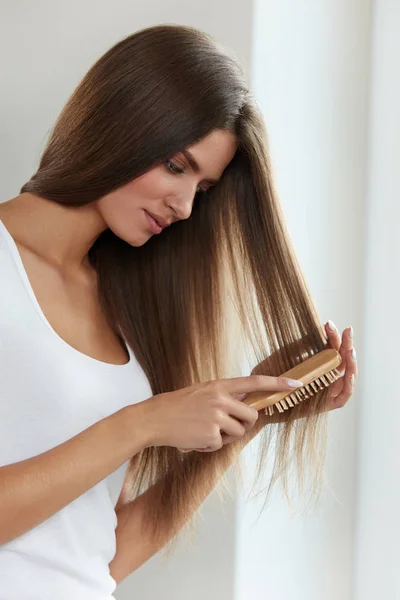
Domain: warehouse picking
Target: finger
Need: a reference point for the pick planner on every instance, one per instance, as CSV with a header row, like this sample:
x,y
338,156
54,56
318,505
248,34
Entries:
x,y
336,388
347,339
239,412
333,335
337,400
205,449
341,344
347,363
346,346
232,431
258,383
233,427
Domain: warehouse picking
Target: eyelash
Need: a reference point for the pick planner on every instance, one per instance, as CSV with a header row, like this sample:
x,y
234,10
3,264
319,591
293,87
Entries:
x,y
179,172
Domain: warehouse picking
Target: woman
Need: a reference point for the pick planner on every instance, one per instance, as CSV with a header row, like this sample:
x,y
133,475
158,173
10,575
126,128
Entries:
x,y
152,208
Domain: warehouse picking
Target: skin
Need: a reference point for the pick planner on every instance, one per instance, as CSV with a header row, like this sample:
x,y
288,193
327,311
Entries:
x,y
54,240
339,392
342,389
63,235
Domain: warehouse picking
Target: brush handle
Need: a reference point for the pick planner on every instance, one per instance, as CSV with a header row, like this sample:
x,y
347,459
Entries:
x,y
307,371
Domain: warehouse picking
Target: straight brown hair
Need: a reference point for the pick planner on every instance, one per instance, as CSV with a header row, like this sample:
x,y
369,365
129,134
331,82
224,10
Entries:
x,y
219,285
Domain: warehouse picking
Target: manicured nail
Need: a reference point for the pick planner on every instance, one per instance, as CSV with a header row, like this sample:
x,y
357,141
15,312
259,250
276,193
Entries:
x,y
354,354
351,332
331,326
294,383
352,380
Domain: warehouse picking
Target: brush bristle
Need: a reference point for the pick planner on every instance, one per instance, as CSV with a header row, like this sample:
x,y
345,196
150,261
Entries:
x,y
304,392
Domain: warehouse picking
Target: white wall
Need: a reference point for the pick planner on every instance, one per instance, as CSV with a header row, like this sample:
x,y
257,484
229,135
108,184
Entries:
x,y
310,74
378,489
48,45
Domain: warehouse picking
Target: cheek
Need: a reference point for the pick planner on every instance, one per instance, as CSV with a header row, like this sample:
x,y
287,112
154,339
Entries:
x,y
150,186
122,210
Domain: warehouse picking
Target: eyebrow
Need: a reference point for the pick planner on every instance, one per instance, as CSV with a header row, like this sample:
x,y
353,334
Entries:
x,y
195,165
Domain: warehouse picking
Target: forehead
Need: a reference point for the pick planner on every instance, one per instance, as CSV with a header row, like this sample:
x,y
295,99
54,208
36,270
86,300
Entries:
x,y
219,140
212,152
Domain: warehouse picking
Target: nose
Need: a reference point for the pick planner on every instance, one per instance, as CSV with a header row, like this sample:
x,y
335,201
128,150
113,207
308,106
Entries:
x,y
183,206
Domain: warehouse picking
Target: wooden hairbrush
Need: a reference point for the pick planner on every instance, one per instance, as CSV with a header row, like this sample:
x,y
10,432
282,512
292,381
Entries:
x,y
316,373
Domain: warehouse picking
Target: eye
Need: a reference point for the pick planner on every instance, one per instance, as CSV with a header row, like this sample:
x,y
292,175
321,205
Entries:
x,y
173,168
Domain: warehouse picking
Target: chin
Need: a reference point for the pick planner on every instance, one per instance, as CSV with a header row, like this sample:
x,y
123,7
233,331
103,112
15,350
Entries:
x,y
134,237
138,241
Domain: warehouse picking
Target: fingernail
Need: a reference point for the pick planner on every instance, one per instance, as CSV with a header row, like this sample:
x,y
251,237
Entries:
x,y
352,380
354,354
294,383
331,326
351,332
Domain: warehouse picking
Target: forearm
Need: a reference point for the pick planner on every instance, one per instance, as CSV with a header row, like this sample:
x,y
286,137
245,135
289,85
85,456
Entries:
x,y
134,548
32,490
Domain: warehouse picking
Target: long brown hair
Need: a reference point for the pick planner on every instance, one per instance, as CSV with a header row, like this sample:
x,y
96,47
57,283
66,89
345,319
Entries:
x,y
194,300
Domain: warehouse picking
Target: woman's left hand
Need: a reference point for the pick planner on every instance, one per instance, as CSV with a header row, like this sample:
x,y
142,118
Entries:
x,y
339,392
342,389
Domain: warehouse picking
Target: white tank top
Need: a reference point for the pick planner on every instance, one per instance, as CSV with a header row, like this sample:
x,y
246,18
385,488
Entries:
x,y
49,392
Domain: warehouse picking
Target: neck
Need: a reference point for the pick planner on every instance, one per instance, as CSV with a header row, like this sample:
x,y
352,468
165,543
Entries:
x,y
60,234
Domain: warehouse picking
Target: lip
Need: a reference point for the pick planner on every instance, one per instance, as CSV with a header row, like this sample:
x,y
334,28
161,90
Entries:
x,y
152,223
161,222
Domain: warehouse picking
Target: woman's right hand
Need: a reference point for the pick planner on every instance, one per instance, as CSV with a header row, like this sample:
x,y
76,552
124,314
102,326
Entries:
x,y
205,416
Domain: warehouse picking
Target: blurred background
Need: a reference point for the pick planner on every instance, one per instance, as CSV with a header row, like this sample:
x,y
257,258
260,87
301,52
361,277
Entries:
x,y
326,76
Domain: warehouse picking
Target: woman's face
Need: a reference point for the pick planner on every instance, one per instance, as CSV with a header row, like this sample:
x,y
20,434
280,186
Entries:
x,y
166,191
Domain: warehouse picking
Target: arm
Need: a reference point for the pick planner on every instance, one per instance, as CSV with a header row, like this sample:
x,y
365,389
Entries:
x,y
33,490
130,556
